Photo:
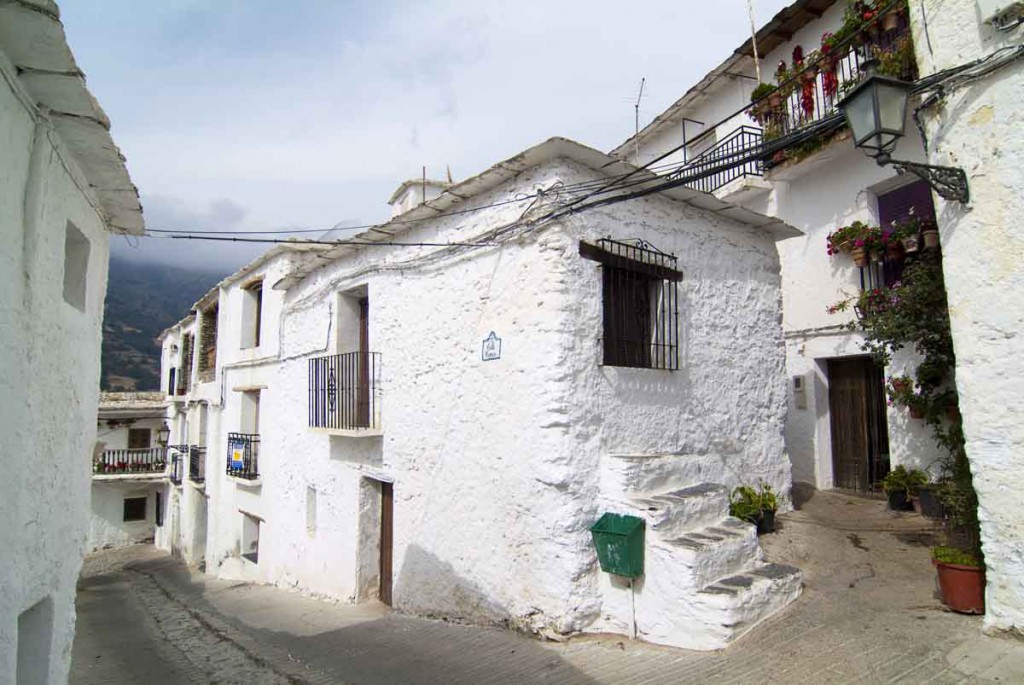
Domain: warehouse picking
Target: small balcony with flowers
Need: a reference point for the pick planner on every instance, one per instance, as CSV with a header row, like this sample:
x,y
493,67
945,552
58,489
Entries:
x,y
796,117
798,114
131,464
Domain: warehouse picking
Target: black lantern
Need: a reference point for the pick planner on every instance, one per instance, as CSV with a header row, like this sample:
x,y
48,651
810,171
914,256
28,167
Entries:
x,y
163,433
876,111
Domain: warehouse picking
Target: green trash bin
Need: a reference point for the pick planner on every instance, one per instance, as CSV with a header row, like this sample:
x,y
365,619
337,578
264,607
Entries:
x,y
620,544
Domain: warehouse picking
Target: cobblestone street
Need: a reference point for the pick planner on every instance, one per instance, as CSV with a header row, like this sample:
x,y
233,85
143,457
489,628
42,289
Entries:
x,y
868,615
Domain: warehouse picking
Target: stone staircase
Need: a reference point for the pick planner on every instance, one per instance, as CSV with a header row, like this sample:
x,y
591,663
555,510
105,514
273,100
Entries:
x,y
706,581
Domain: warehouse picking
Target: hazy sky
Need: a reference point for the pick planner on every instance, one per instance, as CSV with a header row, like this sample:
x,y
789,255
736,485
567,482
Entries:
x,y
250,114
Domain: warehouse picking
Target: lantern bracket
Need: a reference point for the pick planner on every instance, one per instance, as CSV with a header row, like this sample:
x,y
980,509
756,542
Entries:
x,y
949,182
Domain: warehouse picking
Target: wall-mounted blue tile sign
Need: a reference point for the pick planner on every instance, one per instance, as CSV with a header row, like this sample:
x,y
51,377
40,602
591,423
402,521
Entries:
x,y
491,349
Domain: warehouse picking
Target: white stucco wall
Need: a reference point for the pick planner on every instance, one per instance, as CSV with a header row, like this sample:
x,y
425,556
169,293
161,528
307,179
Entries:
x,y
107,527
496,464
49,377
980,127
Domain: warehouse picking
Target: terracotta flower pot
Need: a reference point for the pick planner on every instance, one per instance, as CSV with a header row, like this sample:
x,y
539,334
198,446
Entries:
x,y
916,413
860,256
962,587
890,21
931,238
911,244
953,413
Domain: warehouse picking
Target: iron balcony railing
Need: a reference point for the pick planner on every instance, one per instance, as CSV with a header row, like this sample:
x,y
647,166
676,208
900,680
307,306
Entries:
x,y
743,138
176,458
149,460
243,455
819,87
197,464
344,391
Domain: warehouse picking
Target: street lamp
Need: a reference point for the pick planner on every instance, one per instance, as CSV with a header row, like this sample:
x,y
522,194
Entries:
x,y
876,111
163,433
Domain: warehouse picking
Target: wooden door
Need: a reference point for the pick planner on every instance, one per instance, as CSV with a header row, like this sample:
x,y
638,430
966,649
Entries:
x,y
387,504
860,432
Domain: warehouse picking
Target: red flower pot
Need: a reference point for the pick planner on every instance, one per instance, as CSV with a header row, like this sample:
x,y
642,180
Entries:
x,y
962,587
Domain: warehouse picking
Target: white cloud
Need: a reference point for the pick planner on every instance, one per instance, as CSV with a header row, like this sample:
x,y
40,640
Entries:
x,y
308,116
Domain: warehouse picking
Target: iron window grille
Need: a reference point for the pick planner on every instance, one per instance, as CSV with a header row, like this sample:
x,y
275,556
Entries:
x,y
197,464
640,304
344,391
243,455
176,453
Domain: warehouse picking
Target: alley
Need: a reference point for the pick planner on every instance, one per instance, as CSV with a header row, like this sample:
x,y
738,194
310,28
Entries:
x,y
868,615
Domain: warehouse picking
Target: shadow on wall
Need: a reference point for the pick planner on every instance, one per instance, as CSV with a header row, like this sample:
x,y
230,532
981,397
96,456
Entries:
x,y
428,586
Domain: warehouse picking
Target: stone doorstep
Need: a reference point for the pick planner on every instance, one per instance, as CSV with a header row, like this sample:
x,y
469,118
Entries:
x,y
685,509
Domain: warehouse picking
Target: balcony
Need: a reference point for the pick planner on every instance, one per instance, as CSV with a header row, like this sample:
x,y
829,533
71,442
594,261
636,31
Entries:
x,y
197,464
711,167
243,456
801,115
151,461
177,458
344,394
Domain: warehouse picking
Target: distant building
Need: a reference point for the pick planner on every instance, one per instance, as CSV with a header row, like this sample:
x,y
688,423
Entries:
x,y
130,468
436,425
63,190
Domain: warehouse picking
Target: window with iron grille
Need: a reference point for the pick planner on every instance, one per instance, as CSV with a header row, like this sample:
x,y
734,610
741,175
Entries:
x,y
640,304
185,368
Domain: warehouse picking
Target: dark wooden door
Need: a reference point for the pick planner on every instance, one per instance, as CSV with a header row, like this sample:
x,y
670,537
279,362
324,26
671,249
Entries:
x,y
387,517
860,432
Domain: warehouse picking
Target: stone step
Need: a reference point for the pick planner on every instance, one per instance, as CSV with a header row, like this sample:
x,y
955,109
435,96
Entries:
x,y
702,556
674,513
627,476
724,611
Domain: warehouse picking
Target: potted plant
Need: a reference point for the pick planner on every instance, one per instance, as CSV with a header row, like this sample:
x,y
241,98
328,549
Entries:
x,y
898,484
928,500
761,105
930,236
961,579
757,506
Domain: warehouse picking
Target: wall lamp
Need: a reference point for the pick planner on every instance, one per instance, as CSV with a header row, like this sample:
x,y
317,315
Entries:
x,y
163,433
876,111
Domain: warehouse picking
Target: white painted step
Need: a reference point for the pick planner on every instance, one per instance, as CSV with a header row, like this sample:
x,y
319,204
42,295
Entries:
x,y
628,476
703,556
713,618
674,513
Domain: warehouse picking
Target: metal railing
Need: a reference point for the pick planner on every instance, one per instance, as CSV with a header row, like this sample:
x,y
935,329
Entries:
x,y
819,87
243,455
176,457
743,138
197,464
149,460
344,391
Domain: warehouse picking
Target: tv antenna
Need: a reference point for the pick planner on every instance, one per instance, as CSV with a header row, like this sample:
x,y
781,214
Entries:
x,y
636,109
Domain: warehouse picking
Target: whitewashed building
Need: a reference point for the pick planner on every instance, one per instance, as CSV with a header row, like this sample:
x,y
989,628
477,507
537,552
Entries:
x,y
980,127
130,469
437,419
64,189
227,345
839,431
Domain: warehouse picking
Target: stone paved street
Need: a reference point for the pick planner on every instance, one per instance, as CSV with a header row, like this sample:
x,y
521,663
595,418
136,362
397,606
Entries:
x,y
868,615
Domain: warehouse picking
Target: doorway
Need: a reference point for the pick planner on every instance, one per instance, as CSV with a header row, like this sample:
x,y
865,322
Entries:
x,y
860,429
387,509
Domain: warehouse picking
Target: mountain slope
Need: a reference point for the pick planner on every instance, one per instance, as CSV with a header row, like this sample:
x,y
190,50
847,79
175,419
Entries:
x,y
142,300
